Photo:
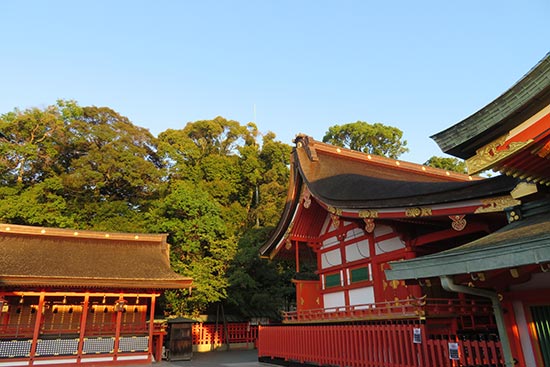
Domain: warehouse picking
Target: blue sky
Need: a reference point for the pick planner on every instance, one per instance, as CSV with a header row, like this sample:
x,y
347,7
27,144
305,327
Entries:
x,y
302,66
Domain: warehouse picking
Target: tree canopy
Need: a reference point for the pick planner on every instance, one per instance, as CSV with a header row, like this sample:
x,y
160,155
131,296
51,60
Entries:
x,y
375,138
447,163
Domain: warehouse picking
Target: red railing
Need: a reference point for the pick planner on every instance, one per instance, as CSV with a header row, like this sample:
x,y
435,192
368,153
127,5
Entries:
x,y
383,343
401,309
212,334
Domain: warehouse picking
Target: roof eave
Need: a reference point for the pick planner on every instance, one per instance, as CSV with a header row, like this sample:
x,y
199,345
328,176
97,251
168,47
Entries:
x,y
535,252
270,248
531,92
75,282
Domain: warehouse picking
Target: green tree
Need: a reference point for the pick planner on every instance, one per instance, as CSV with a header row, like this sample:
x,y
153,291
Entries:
x,y
202,246
219,154
259,288
247,181
449,164
31,191
28,148
112,169
375,138
84,167
273,185
41,204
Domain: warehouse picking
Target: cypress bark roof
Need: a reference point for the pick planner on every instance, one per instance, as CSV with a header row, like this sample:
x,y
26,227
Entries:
x,y
351,180
529,95
35,256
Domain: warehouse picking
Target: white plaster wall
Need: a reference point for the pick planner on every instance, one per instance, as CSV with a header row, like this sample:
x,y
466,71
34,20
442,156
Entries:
x,y
361,296
331,258
357,251
354,233
332,241
335,299
381,230
389,245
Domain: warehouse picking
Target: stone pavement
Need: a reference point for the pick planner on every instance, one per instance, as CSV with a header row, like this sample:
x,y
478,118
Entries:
x,y
232,358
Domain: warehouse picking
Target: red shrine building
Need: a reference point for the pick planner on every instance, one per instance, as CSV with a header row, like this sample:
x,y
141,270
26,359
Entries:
x,y
72,297
418,266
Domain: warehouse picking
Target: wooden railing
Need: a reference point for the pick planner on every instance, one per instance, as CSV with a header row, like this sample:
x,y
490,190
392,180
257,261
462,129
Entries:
x,y
16,331
401,309
379,343
212,334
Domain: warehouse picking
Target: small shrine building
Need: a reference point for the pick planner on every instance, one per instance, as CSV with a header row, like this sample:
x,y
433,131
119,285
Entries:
x,y
71,297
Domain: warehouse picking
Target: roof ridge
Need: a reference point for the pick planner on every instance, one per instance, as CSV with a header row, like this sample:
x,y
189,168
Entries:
x,y
311,145
88,234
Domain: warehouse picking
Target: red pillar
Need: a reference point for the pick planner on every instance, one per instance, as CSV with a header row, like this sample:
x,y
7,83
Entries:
x,y
37,325
297,249
152,327
118,311
83,321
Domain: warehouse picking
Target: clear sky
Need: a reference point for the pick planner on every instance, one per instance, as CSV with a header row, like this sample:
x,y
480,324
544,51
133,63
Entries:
x,y
293,66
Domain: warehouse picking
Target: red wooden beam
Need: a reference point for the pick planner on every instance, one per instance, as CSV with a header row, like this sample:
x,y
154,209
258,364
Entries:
x,y
449,233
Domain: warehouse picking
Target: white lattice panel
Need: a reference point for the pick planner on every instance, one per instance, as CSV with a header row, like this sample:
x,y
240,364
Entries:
x,y
98,345
134,344
15,348
56,347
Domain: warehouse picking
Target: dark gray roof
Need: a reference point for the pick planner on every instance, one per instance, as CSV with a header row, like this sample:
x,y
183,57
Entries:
x,y
357,192
348,183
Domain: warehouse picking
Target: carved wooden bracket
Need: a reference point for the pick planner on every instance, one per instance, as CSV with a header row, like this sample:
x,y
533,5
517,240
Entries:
x,y
369,225
459,223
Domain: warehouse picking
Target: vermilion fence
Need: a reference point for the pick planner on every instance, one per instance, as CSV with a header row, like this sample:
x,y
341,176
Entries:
x,y
216,334
407,308
390,344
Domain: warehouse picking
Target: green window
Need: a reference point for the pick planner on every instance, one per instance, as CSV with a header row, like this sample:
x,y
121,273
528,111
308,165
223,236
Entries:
x,y
332,280
359,274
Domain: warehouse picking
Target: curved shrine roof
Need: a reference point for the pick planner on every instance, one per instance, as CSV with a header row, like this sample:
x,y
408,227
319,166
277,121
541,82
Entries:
x,y
350,182
347,179
37,256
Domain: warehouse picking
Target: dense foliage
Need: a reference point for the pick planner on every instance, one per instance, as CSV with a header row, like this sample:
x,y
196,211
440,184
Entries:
x,y
377,138
448,163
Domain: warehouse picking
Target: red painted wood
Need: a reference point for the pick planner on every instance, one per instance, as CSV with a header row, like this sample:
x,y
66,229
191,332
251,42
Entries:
x,y
152,327
206,334
117,331
381,344
83,321
37,324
